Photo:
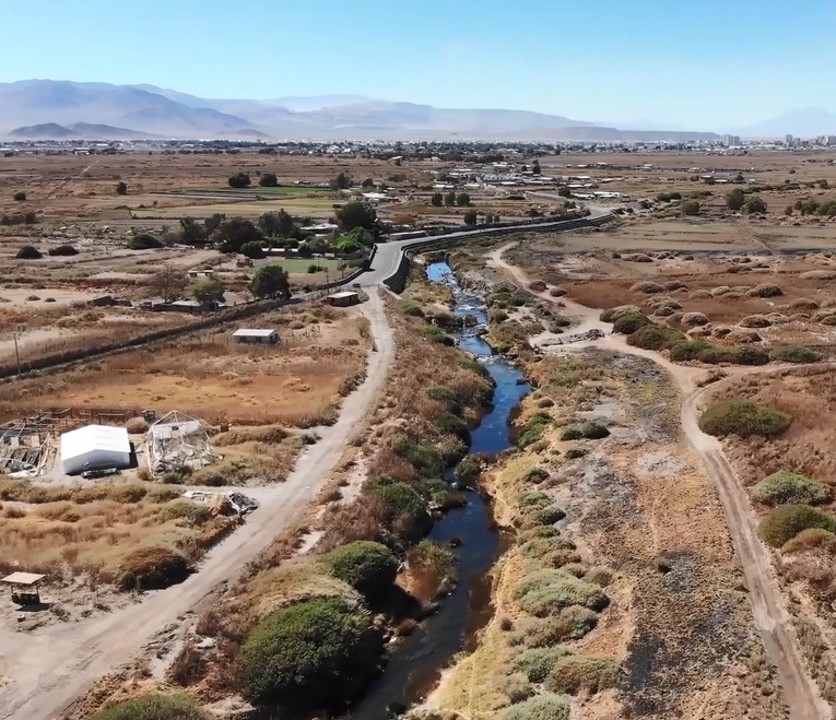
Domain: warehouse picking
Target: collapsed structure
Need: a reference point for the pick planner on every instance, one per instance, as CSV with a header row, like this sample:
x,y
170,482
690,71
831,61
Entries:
x,y
178,441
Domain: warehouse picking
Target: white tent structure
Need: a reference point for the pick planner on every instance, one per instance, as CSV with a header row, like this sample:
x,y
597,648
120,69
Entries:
x,y
95,446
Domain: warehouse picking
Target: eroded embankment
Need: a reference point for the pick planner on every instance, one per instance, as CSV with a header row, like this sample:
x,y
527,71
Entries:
x,y
673,634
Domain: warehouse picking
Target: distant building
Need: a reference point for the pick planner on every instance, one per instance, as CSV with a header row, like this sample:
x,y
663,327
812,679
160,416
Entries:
x,y
789,140
731,140
256,335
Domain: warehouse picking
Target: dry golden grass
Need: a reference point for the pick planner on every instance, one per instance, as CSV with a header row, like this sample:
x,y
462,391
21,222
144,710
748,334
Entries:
x,y
298,382
94,537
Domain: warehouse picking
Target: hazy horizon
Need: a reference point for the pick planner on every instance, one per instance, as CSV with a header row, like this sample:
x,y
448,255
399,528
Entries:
x,y
726,66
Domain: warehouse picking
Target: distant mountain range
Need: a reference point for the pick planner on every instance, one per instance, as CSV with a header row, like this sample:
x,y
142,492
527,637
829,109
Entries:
x,y
62,109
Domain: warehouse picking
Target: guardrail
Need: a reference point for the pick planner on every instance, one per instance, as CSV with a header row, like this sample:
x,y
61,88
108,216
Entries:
x,y
397,280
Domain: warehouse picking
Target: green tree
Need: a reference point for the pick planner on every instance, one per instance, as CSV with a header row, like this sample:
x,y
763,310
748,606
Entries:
x,y
341,182
19,196
192,232
564,192
208,290
753,205
121,188
213,222
356,239
357,214
367,183
369,567
437,199
463,199
270,281
169,283
239,180
268,180
253,249
277,223
450,198
735,199
690,207
535,168
233,233
470,217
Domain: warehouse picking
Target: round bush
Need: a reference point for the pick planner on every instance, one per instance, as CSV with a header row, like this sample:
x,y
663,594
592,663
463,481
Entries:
x,y
537,663
748,355
540,707
744,418
547,592
29,252
629,323
573,674
810,539
152,568
785,488
144,241
794,354
308,654
786,521
689,350
649,337
369,567
62,251
153,707
594,431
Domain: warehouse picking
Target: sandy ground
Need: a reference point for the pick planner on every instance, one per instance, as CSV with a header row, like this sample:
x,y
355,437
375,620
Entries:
x,y
51,669
768,605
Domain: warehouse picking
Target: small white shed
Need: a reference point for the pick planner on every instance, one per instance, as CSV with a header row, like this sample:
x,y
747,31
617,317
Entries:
x,y
95,446
256,335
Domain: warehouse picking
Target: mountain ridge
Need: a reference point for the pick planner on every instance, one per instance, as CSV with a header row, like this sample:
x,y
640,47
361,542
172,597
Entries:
x,y
150,110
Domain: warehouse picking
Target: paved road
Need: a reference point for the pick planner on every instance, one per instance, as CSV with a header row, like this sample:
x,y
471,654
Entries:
x,y
388,255
51,668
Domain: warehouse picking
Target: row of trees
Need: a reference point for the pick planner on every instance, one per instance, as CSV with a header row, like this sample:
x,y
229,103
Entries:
x,y
450,199
736,201
826,208
269,281
242,180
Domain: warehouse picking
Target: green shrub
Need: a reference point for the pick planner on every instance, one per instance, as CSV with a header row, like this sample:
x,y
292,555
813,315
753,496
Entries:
x,y
580,621
810,539
401,501
540,707
308,654
537,663
786,521
785,488
689,350
153,707
576,452
469,470
648,337
548,515
454,425
571,433
749,355
435,334
536,475
252,249
426,460
19,196
28,252
62,251
534,499
535,632
794,354
743,418
152,568
533,429
547,592
690,207
444,395
594,431
629,323
538,546
412,308
573,674
369,567
144,241
599,576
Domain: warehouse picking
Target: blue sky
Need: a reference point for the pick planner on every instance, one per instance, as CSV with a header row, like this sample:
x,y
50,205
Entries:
x,y
704,65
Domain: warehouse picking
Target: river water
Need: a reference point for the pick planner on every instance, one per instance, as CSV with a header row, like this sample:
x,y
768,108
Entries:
x,y
416,663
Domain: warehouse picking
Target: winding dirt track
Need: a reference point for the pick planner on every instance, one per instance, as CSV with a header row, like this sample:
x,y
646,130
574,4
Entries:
x,y
52,669
771,617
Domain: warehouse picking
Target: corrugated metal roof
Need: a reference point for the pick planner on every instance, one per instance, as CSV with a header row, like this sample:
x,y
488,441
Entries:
x,y
22,578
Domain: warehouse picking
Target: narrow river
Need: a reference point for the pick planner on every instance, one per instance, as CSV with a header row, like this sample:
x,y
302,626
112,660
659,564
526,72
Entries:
x,y
415,665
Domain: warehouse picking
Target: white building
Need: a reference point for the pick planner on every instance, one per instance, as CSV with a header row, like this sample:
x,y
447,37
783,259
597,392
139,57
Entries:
x,y
95,446
256,335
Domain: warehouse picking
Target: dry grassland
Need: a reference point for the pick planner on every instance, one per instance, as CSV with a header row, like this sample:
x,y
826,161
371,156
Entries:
x,y
298,383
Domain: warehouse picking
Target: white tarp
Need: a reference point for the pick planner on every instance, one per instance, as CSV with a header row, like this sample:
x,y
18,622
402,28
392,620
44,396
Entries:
x,y
95,446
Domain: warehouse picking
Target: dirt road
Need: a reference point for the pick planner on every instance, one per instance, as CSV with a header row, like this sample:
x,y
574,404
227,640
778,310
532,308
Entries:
x,y
771,617
55,666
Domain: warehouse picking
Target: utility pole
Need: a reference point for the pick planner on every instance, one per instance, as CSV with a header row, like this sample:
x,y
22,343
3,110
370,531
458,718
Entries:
x,y
17,354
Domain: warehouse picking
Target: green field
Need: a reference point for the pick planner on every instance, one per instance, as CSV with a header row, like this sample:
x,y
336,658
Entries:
x,y
298,266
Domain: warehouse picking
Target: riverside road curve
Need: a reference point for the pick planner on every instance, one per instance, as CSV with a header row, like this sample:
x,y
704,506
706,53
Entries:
x,y
48,670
